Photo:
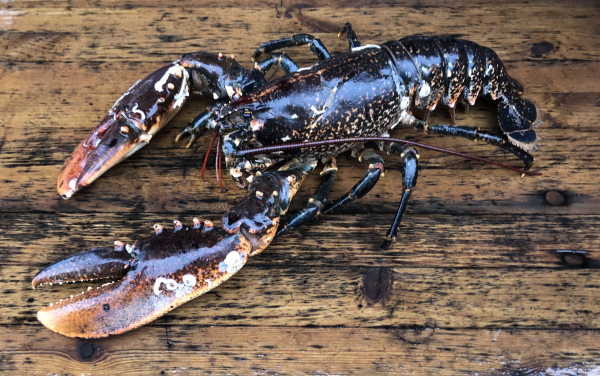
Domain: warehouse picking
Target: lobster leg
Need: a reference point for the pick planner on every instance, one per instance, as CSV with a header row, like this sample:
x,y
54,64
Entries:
x,y
409,172
364,186
474,133
352,38
316,46
200,122
288,65
316,203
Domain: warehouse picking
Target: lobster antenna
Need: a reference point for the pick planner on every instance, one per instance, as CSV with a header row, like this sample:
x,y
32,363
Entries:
x,y
312,144
207,155
218,164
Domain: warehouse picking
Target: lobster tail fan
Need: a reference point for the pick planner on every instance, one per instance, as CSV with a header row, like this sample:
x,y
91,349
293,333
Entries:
x,y
517,120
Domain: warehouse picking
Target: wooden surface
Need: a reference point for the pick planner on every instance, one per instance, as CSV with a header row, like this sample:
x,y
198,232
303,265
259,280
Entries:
x,y
477,284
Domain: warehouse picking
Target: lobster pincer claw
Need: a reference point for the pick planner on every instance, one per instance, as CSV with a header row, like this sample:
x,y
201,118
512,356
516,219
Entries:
x,y
166,270
129,125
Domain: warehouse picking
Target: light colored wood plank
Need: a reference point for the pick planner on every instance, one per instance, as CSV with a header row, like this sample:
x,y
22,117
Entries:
x,y
334,296
197,350
437,241
149,34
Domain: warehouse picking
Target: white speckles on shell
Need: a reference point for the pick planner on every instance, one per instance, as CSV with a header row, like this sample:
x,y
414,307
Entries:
x,y
168,284
178,225
176,68
365,47
425,90
404,103
189,280
139,112
184,90
181,289
232,263
316,112
235,172
230,91
197,223
257,124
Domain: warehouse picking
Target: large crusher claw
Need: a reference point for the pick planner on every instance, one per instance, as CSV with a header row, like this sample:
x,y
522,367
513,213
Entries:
x,y
166,270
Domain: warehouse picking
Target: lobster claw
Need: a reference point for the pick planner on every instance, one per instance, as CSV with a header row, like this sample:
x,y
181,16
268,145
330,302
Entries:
x,y
166,270
159,273
130,124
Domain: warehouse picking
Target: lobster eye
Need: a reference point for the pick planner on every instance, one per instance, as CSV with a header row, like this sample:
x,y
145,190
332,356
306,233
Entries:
x,y
247,115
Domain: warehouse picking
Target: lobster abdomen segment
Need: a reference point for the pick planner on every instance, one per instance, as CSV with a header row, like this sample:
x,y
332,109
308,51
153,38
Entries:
x,y
460,70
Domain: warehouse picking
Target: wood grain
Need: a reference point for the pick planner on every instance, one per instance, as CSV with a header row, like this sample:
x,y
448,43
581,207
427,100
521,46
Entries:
x,y
477,282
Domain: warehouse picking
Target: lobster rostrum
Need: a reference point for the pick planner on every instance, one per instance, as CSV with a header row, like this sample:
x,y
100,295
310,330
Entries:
x,y
334,106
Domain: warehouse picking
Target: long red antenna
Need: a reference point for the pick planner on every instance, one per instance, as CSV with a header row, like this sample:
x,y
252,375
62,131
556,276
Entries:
x,y
207,155
312,144
218,165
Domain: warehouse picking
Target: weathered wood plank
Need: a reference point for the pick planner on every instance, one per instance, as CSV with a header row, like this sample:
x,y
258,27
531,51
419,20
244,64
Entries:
x,y
283,295
151,34
197,350
526,241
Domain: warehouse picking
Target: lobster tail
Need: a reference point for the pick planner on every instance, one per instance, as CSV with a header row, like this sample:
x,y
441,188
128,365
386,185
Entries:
x,y
517,117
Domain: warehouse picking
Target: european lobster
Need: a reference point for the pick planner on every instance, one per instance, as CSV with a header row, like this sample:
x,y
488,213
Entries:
x,y
334,106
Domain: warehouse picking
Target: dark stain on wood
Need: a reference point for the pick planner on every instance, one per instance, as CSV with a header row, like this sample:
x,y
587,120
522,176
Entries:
x,y
377,284
415,334
540,49
86,351
576,259
555,198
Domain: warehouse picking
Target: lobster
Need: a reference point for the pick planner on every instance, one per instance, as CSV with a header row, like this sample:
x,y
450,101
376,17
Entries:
x,y
311,113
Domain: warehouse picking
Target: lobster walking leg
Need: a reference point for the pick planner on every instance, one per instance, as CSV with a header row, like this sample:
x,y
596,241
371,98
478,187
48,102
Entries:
x,y
352,38
316,203
288,65
474,133
364,186
316,46
409,172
